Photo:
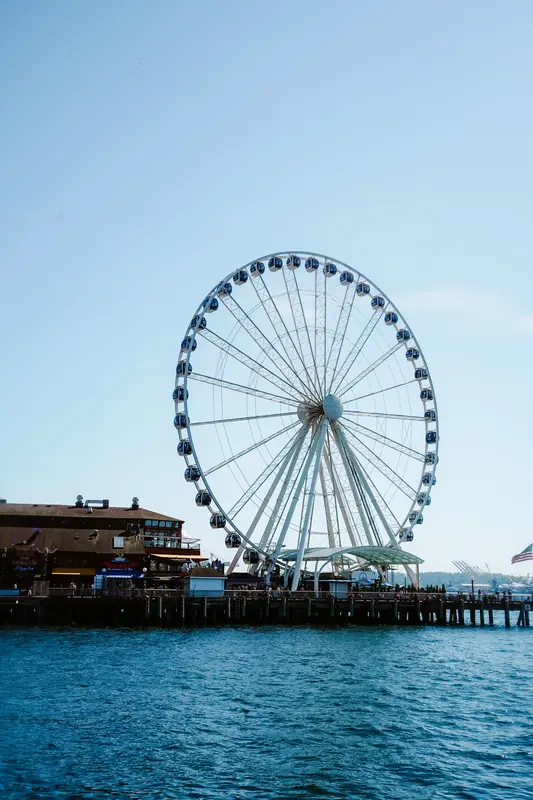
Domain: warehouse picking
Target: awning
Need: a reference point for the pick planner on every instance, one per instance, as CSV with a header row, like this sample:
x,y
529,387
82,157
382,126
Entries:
x,y
73,571
382,556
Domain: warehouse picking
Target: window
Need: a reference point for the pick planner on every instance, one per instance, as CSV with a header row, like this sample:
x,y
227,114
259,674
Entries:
x,y
118,542
168,524
148,523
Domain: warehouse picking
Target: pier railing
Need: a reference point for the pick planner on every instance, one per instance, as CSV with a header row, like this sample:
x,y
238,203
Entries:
x,y
378,596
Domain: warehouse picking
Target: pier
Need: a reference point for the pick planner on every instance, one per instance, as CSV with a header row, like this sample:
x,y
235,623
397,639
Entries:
x,y
175,609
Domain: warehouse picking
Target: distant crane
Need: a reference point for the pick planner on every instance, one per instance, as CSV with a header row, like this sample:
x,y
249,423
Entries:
x,y
467,569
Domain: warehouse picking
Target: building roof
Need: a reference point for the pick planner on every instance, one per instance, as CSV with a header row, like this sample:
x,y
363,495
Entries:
x,y
205,572
41,510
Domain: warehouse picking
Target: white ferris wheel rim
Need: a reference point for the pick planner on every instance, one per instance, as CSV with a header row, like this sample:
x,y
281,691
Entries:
x,y
203,484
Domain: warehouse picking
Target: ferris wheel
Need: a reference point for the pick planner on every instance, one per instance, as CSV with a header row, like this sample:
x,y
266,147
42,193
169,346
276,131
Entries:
x,y
306,414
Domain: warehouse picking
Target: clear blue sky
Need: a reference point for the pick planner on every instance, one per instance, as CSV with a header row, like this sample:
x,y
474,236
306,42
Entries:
x,y
150,147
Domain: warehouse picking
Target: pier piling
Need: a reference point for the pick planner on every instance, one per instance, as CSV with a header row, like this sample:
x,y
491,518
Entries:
x,y
507,615
259,608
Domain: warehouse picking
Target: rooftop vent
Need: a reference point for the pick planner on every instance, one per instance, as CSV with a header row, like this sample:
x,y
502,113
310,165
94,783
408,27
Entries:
x,y
79,501
97,503
3,500
135,503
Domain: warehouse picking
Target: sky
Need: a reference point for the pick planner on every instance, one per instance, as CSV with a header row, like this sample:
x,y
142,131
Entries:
x,y
149,148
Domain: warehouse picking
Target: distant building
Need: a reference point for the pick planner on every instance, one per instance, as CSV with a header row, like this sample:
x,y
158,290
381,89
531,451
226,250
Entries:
x,y
90,542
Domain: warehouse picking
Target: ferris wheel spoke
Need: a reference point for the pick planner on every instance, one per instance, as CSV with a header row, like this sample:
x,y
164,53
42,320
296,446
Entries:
x,y
324,333
360,501
343,497
390,515
383,415
371,491
242,419
379,391
268,471
340,333
300,324
313,354
328,472
352,356
360,454
371,367
363,495
366,486
315,326
250,326
259,369
385,470
272,313
238,387
349,511
319,328
392,443
250,449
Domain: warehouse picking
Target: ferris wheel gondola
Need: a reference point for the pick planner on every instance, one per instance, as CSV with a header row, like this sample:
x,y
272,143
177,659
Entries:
x,y
305,412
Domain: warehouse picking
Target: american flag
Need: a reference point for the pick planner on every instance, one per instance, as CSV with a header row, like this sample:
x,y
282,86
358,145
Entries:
x,y
525,555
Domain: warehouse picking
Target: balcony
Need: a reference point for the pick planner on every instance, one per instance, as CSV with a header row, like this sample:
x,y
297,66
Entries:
x,y
170,541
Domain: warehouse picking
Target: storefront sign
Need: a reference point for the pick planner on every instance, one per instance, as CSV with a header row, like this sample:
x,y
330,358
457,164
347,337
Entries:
x,y
121,573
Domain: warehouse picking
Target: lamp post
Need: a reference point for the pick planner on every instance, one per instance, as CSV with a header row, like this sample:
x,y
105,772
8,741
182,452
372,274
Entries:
x,y
472,581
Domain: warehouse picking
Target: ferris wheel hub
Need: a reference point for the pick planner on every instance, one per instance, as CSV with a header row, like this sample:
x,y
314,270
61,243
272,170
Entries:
x,y
332,407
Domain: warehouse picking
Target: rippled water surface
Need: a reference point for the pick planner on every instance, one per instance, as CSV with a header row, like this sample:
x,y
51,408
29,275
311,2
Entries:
x,y
267,713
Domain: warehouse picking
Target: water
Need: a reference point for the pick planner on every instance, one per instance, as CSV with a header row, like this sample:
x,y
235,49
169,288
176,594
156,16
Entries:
x,y
249,714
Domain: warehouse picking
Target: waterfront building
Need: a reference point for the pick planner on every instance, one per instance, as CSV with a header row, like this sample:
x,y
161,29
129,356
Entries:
x,y
91,542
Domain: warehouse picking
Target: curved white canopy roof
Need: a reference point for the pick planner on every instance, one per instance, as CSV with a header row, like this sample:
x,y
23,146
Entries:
x,y
381,556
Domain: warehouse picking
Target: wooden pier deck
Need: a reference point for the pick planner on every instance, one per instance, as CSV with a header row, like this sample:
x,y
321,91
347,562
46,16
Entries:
x,y
256,608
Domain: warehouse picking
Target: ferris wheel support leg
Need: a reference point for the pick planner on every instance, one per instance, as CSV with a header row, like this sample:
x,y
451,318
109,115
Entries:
x,y
297,493
318,572
329,520
235,559
340,446
304,533
292,454
292,457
